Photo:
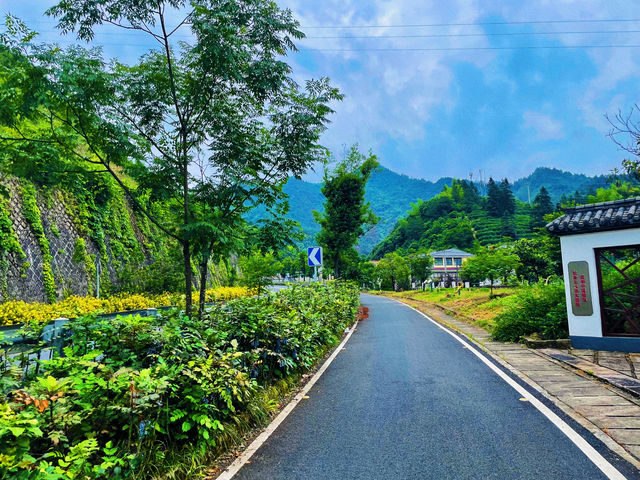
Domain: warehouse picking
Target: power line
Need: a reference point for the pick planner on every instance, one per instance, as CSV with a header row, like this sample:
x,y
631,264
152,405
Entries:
x,y
403,49
445,49
434,35
424,25
455,35
523,22
407,49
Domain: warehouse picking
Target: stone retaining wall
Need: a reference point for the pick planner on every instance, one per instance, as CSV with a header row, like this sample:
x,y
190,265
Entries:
x,y
25,279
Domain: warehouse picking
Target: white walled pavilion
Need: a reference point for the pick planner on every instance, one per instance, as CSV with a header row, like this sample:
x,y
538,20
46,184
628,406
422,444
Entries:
x,y
601,265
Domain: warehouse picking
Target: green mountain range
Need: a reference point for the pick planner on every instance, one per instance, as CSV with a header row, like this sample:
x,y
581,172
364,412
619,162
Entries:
x,y
558,183
391,195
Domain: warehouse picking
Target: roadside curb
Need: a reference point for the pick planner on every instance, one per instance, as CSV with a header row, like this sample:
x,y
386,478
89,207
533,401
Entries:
x,y
549,349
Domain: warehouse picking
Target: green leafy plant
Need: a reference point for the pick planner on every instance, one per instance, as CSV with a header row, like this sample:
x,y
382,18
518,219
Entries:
x,y
32,215
539,309
131,391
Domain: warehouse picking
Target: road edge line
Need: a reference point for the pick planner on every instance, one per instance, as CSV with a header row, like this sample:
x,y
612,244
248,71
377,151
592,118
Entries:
x,y
590,452
244,457
584,422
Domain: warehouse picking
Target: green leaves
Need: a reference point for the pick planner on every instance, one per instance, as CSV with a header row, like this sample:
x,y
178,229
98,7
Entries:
x,y
164,381
393,272
257,269
537,309
493,264
224,104
346,213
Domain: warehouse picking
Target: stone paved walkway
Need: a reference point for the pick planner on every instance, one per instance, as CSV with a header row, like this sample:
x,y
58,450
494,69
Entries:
x,y
626,363
611,414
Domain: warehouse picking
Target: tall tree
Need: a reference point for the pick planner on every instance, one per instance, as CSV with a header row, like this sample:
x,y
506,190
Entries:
x,y
494,199
471,198
393,272
541,206
535,258
508,226
492,264
223,104
346,213
508,200
420,264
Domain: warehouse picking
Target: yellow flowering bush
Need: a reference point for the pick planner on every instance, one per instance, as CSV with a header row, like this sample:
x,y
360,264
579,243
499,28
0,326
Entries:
x,y
125,302
229,293
18,311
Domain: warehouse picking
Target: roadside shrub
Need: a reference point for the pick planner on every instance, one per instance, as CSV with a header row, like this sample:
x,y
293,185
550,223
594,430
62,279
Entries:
x,y
539,309
133,391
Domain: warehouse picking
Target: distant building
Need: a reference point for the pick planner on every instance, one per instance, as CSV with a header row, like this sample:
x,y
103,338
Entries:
x,y
447,264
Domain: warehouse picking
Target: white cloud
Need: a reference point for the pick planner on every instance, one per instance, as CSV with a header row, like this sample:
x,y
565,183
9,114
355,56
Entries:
x,y
543,125
397,96
388,95
394,95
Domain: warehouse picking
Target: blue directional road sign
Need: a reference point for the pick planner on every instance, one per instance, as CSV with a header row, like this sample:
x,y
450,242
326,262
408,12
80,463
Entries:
x,y
314,256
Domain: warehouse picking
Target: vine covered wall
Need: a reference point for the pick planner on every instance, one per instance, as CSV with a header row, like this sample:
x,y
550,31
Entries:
x,y
51,240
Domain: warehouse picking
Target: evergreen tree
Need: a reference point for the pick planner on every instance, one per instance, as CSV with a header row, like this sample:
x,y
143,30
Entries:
x,y
346,213
507,199
508,226
541,206
472,199
494,199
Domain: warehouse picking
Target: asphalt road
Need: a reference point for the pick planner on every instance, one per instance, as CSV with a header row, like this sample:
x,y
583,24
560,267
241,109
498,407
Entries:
x,y
405,400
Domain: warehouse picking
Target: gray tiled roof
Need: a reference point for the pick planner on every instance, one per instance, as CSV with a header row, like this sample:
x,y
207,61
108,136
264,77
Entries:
x,y
598,217
451,252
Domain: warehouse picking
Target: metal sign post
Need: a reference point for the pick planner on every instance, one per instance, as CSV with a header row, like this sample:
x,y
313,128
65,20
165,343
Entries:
x,y
314,259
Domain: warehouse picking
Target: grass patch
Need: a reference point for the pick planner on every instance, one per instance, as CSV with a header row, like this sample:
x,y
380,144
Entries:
x,y
476,303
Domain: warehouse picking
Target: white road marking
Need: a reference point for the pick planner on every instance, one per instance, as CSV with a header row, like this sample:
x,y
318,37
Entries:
x,y
239,462
592,454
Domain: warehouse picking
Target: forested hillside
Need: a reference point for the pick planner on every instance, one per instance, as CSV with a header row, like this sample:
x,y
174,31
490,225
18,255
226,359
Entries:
x,y
558,183
391,195
460,217
55,236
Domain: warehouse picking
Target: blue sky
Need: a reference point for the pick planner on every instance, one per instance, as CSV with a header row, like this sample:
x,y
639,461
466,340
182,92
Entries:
x,y
448,113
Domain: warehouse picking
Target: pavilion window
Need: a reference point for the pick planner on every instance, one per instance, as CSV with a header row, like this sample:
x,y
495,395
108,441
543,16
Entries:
x,y
619,277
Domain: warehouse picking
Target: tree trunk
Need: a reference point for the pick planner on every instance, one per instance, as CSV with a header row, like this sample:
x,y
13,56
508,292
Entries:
x,y
188,277
186,249
336,264
204,271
